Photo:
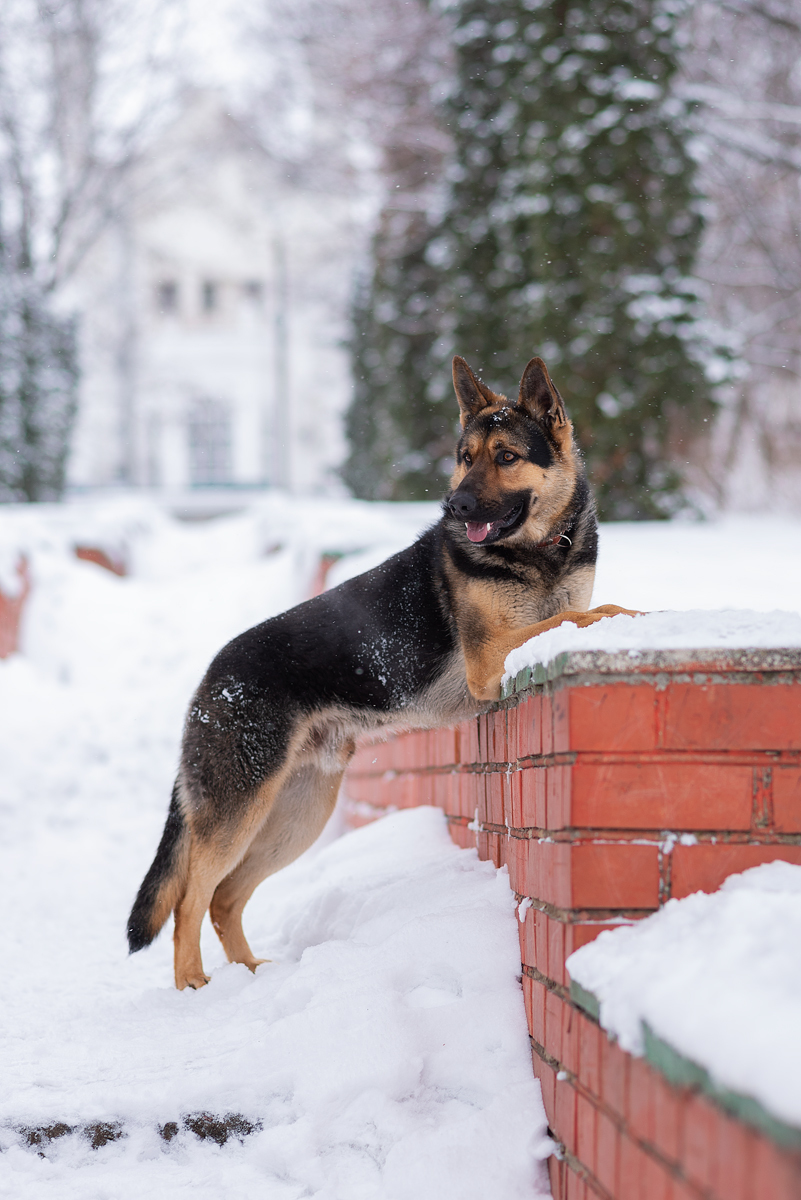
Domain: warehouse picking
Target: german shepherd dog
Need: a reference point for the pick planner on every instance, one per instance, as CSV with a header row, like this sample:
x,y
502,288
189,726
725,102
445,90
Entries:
x,y
417,642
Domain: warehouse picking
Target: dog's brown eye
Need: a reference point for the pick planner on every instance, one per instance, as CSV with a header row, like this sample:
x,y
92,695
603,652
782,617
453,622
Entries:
x,y
467,460
508,457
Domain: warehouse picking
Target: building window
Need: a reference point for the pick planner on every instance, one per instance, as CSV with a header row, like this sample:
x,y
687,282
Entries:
x,y
254,290
209,442
167,296
209,296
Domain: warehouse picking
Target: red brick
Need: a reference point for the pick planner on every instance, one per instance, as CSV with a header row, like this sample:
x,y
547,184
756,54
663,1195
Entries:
x,y
732,716
585,1132
580,933
576,1189
660,796
471,791
612,875
589,1054
546,724
570,1039
521,873
489,848
532,786
566,1110
607,1150
557,1170
787,799
705,866
640,1102
700,1141
614,1075
542,964
777,1175
527,929
735,1153
553,1025
494,790
528,728
516,819
682,1189
561,720
633,1170
534,996
556,950
657,1182
468,733
547,1078
483,797
557,797
667,1118
613,717
462,836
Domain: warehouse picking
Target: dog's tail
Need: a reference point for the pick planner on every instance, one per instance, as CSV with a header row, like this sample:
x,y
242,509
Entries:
x,y
164,885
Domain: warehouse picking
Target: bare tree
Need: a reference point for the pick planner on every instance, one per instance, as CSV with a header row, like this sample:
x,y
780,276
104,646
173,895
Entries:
x,y
81,82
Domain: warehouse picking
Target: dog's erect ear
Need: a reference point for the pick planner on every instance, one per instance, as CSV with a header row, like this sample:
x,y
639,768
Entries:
x,y
472,394
539,397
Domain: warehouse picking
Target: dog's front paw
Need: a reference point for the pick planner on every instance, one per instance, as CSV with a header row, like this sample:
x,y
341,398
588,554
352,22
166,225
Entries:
x,y
614,610
485,689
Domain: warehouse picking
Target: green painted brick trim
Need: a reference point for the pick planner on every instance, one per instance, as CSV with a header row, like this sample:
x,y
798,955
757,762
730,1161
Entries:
x,y
683,1072
584,999
686,1073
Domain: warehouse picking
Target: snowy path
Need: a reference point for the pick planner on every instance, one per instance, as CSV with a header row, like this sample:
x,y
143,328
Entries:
x,y
384,1050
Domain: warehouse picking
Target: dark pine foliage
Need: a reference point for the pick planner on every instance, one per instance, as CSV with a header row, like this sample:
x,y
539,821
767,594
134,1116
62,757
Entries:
x,y
570,231
38,387
397,432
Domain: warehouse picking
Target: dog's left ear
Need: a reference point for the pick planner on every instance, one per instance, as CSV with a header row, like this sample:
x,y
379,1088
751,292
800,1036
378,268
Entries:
x,y
538,396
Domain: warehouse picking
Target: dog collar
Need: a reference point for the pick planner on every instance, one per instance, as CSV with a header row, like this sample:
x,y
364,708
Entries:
x,y
554,541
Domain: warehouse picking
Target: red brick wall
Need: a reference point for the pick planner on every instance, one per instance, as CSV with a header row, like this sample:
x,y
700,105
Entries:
x,y
11,611
584,789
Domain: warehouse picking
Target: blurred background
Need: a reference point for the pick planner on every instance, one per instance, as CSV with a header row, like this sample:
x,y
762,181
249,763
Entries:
x,y
240,242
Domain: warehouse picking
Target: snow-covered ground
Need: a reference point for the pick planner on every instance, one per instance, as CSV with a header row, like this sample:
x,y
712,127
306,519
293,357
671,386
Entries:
x,y
717,977
385,940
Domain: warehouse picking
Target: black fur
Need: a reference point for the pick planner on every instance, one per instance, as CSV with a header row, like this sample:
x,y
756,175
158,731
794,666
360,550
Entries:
x,y
140,931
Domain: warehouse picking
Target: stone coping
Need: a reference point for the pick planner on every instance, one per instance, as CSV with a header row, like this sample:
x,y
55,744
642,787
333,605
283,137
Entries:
x,y
684,1072
628,662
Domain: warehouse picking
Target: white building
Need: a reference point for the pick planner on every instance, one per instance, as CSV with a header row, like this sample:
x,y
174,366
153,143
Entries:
x,y
213,320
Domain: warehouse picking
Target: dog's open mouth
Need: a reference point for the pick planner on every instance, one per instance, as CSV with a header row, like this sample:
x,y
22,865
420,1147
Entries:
x,y
486,531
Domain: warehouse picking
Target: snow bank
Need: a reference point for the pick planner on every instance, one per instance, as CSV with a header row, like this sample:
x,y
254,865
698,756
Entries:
x,y
717,977
691,630
384,1049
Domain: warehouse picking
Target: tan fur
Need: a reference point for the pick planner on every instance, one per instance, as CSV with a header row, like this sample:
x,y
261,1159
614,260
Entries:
x,y
485,667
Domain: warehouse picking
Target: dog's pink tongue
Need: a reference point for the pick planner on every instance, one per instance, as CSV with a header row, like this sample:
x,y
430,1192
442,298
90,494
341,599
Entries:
x,y
476,532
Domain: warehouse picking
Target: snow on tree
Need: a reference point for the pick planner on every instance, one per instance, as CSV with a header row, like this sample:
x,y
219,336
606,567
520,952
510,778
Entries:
x,y
570,230
38,387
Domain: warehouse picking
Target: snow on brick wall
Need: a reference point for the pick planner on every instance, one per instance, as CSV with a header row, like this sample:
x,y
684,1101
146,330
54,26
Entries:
x,y
607,788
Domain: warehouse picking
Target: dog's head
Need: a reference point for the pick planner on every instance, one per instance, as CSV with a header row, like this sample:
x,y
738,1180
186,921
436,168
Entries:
x,y
516,463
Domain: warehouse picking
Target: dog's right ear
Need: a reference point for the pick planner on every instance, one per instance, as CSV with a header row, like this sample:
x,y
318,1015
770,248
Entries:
x,y
472,394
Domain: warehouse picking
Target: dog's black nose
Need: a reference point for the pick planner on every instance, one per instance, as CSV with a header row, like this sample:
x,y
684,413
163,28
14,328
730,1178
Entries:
x,y
462,504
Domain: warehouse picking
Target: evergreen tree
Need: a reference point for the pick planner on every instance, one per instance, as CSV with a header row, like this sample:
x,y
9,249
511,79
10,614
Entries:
x,y
38,387
397,432
570,231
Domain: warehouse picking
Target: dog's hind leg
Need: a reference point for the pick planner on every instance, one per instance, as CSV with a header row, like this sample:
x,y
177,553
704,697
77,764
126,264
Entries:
x,y
301,809
213,854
